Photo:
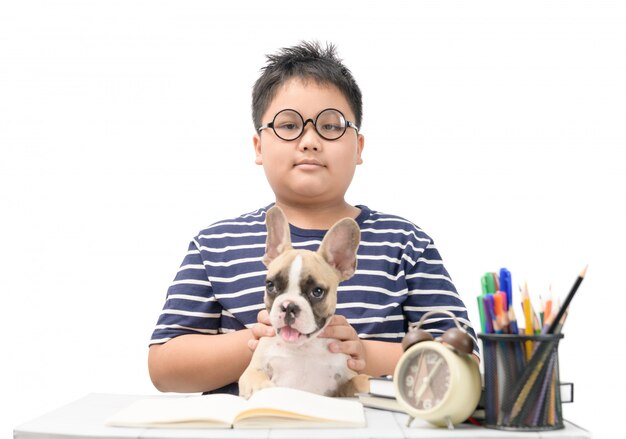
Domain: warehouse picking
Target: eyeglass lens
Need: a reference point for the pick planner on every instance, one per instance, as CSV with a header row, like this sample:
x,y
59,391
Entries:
x,y
330,124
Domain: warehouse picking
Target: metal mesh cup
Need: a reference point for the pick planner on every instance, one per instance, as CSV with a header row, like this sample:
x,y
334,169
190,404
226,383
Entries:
x,y
522,387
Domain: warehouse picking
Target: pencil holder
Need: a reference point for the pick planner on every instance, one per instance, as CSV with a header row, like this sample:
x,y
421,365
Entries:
x,y
522,387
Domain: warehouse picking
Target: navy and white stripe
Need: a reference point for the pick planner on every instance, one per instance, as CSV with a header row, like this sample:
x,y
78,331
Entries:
x,y
400,276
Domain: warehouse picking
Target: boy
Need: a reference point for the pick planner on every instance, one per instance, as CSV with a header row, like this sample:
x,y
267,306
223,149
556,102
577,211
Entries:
x,y
307,112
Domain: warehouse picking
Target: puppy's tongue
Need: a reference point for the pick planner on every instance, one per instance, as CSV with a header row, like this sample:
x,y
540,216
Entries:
x,y
289,334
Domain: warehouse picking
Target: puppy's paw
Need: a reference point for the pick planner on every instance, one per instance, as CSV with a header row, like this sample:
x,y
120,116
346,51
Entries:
x,y
357,384
253,380
361,383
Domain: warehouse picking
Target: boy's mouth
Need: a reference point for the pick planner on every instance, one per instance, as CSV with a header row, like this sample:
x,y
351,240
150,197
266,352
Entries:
x,y
309,163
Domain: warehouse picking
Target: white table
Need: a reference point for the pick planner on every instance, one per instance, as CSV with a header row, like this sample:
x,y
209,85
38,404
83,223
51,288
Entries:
x,y
85,417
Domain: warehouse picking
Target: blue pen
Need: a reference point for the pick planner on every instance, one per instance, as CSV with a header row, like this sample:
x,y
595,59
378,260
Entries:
x,y
506,285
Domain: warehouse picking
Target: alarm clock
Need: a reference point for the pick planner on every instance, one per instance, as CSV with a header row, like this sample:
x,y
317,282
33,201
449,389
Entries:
x,y
437,380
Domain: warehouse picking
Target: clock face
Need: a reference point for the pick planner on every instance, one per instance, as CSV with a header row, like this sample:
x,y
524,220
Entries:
x,y
424,380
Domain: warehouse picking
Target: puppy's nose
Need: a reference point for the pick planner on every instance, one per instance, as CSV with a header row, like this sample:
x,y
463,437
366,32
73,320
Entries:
x,y
291,311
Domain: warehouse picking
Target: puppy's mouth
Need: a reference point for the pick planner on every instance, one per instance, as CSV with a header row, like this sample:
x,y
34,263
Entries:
x,y
291,334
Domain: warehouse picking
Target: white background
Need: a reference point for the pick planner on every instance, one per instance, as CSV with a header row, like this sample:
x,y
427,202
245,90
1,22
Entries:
x,y
125,128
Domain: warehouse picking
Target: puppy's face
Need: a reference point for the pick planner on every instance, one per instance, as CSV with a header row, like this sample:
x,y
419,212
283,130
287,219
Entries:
x,y
300,294
301,285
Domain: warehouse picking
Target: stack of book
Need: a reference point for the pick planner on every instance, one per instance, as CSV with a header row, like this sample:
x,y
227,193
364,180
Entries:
x,y
382,395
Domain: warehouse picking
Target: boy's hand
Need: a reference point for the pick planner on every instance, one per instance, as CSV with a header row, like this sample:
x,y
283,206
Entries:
x,y
348,341
262,328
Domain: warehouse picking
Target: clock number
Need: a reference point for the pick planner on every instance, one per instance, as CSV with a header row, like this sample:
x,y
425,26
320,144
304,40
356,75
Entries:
x,y
431,358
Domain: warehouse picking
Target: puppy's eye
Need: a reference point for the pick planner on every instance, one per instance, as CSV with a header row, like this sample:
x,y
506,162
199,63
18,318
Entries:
x,y
269,287
317,292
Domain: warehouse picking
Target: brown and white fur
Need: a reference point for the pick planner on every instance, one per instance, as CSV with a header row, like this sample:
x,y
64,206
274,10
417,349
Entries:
x,y
301,296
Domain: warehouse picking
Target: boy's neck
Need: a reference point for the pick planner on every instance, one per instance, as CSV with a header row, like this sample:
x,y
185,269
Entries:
x,y
317,217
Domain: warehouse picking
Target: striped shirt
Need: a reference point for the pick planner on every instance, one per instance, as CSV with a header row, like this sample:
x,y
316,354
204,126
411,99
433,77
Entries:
x,y
400,275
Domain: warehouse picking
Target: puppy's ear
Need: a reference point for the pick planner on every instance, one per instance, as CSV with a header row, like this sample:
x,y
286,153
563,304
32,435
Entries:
x,y
278,235
340,245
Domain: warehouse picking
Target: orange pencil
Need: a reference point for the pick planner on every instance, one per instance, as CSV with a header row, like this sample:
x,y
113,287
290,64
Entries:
x,y
547,312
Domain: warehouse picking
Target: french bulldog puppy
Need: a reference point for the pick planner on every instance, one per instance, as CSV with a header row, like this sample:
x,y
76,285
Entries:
x,y
301,296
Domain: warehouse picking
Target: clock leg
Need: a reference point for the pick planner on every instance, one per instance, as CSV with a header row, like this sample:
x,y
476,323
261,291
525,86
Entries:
x,y
408,423
449,422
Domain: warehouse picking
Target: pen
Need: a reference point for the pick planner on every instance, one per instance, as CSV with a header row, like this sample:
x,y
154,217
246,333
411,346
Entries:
x,y
481,305
490,284
497,310
489,314
506,286
499,307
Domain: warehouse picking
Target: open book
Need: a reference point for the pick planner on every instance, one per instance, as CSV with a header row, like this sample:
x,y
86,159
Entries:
x,y
273,407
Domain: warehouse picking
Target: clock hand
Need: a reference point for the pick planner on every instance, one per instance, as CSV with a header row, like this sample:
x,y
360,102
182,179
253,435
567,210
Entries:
x,y
419,367
426,380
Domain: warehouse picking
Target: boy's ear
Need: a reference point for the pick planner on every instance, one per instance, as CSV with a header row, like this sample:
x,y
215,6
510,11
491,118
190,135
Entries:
x,y
278,235
256,141
360,146
340,245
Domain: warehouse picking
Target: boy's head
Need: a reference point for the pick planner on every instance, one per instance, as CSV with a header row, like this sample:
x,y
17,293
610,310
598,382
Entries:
x,y
307,61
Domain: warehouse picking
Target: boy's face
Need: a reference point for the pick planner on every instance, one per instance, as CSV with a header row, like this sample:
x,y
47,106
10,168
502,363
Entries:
x,y
309,169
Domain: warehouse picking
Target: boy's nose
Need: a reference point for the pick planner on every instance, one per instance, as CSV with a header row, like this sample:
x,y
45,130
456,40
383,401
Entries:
x,y
310,140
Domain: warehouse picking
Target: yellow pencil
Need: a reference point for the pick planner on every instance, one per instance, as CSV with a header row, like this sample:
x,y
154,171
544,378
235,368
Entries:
x,y
528,319
552,401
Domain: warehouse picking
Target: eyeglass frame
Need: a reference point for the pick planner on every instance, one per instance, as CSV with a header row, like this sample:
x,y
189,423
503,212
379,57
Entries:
x,y
348,124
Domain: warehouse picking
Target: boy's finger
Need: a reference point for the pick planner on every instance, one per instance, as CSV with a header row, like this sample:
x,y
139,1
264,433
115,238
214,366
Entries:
x,y
343,333
351,348
356,365
261,330
263,317
338,319
252,344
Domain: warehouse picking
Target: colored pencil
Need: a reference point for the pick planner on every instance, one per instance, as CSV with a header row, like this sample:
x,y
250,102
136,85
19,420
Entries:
x,y
563,309
528,320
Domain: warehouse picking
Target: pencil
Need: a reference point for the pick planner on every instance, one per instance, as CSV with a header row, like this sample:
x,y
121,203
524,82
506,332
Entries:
x,y
540,404
552,405
518,347
528,330
563,309
547,312
534,369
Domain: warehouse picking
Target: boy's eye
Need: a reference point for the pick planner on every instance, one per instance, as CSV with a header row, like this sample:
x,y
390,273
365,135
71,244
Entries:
x,y
331,127
288,126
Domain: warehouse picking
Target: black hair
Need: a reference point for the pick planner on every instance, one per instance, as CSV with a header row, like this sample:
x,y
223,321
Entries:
x,y
307,60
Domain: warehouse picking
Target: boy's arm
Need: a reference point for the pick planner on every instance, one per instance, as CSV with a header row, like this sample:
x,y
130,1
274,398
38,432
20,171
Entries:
x,y
381,357
196,362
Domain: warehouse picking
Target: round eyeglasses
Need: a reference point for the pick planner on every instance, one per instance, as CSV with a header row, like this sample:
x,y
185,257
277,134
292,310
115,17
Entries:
x,y
330,124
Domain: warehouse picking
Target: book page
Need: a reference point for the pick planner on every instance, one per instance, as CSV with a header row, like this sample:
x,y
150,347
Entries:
x,y
304,409
212,411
